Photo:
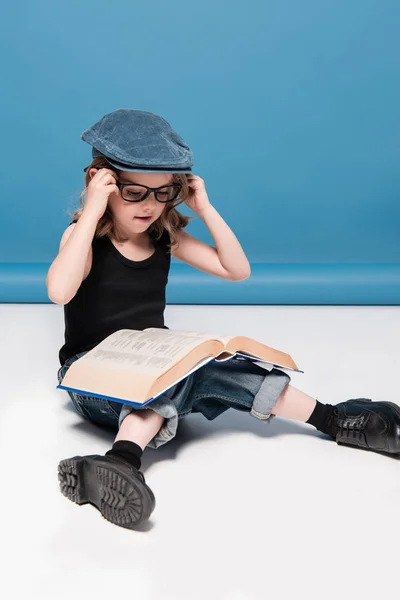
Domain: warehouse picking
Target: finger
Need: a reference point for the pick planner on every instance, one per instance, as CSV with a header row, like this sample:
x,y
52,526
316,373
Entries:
x,y
109,177
112,188
104,172
99,175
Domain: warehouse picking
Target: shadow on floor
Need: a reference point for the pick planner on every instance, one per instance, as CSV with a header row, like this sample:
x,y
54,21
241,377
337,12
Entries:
x,y
195,427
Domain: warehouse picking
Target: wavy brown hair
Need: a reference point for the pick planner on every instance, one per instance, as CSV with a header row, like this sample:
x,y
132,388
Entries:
x,y
170,219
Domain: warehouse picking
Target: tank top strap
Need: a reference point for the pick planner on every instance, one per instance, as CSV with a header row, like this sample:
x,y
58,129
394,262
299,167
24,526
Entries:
x,y
164,242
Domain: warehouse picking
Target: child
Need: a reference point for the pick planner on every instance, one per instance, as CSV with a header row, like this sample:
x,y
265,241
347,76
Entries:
x,y
111,272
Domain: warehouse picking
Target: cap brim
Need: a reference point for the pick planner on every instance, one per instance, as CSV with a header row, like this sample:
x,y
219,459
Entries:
x,y
125,167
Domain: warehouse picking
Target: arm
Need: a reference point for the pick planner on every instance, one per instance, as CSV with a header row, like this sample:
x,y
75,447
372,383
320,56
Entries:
x,y
74,260
226,259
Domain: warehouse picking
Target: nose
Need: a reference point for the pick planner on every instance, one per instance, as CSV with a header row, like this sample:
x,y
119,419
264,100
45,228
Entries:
x,y
151,198
150,202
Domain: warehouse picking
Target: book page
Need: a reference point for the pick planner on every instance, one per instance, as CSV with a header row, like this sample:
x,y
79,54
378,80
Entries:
x,y
254,349
225,339
251,345
198,366
151,351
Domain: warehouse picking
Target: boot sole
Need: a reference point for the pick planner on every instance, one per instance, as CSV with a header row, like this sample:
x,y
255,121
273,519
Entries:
x,y
122,500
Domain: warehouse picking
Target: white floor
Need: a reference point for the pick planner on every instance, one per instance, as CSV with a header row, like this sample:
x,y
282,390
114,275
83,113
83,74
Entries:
x,y
245,510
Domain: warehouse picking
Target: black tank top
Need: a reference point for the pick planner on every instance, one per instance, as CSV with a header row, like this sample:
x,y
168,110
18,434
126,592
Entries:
x,y
118,293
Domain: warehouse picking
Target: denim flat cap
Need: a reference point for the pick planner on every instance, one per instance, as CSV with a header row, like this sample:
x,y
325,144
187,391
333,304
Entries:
x,y
136,140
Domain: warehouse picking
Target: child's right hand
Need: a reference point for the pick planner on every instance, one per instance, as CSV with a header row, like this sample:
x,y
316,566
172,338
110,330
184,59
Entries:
x,y
100,187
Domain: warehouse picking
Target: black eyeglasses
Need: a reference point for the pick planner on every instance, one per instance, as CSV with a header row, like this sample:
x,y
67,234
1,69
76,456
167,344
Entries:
x,y
131,192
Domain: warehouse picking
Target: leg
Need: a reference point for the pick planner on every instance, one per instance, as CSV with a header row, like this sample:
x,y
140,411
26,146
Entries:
x,y
245,386
294,404
140,427
112,483
358,422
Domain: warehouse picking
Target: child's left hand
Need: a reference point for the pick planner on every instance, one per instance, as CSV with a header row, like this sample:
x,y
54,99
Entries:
x,y
198,198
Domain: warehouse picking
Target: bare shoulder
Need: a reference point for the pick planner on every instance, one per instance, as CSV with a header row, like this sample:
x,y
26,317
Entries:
x,y
65,237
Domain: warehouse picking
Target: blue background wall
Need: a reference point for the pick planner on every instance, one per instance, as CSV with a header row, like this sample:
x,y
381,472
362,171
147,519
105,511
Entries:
x,y
291,108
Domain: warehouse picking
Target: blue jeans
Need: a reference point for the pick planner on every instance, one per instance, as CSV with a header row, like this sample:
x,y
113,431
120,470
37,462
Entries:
x,y
210,391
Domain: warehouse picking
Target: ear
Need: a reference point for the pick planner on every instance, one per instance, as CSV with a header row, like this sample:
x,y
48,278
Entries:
x,y
92,172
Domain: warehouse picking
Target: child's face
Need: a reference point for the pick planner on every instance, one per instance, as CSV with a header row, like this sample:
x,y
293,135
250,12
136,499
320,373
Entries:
x,y
130,215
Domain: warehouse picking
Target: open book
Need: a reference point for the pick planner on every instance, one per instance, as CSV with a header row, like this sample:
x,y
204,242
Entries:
x,y
135,367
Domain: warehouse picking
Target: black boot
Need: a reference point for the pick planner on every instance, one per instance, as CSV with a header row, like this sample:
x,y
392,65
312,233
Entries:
x,y
116,488
370,425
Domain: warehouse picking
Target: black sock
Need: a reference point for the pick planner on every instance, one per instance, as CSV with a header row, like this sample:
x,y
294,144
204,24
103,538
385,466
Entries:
x,y
323,418
128,451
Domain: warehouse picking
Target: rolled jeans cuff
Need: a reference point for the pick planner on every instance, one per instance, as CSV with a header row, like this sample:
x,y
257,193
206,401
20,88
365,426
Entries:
x,y
268,395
